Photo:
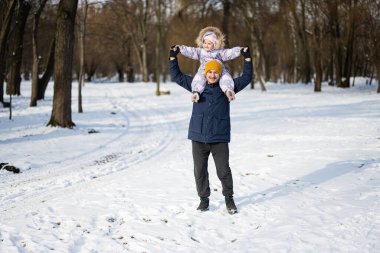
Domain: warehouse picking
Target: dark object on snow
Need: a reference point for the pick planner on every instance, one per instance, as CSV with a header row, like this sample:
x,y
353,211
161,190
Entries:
x,y
6,104
93,131
11,168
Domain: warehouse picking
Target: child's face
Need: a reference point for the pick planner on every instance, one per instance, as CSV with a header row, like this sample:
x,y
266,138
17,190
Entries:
x,y
208,45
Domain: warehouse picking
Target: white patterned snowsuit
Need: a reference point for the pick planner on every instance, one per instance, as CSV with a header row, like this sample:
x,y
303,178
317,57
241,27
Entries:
x,y
197,53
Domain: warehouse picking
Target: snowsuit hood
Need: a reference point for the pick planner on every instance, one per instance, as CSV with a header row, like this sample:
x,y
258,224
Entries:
x,y
220,36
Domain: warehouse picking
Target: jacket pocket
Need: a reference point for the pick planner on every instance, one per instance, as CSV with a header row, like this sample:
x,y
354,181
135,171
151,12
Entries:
x,y
222,125
196,122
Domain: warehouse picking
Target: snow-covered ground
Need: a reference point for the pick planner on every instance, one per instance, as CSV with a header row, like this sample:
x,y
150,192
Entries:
x,y
306,170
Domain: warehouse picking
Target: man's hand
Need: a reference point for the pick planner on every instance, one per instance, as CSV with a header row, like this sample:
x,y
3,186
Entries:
x,y
174,50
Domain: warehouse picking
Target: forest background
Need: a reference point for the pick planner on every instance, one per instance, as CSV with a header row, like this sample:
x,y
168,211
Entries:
x,y
308,41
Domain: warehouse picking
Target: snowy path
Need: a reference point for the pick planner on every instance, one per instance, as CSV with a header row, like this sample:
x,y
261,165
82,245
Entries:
x,y
140,136
306,172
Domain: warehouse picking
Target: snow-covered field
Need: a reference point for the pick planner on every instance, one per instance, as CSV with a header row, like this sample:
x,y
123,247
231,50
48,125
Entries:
x,y
306,170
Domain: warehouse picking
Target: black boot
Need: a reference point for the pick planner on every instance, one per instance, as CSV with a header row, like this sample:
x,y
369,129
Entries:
x,y
203,205
230,205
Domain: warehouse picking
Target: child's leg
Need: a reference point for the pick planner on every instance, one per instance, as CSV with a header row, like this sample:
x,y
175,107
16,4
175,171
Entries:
x,y
227,85
197,86
199,82
226,82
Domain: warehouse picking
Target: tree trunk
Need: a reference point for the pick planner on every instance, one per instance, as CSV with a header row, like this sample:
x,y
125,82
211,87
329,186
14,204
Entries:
x,y
256,72
141,59
301,31
293,72
330,70
137,31
5,27
259,78
378,78
37,83
3,8
318,73
338,60
90,69
158,47
144,32
130,71
61,113
317,50
49,69
82,34
145,74
350,45
226,31
120,73
335,31
226,21
16,42
36,58
259,60
263,58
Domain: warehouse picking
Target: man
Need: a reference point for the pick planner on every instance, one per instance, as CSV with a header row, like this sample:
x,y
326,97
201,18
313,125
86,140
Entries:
x,y
210,129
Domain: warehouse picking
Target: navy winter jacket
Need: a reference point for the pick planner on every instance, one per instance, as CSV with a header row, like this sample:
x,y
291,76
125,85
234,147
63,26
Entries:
x,y
210,119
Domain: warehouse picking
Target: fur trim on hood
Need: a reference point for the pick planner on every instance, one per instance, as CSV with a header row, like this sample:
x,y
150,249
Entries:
x,y
218,33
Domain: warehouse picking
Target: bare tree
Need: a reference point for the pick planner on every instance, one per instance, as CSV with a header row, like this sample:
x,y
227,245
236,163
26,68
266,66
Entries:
x,y
97,40
5,27
16,43
300,25
352,5
61,113
111,43
336,40
135,15
226,19
316,45
38,8
82,34
48,71
158,44
39,84
373,35
291,40
250,15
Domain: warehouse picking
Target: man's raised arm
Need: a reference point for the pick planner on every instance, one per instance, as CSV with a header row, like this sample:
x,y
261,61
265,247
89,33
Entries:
x,y
242,81
175,72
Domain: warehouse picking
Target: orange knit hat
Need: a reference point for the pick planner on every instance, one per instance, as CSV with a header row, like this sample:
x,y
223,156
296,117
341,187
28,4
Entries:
x,y
213,65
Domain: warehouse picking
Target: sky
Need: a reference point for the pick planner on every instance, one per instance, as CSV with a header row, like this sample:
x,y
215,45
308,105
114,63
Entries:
x,y
305,167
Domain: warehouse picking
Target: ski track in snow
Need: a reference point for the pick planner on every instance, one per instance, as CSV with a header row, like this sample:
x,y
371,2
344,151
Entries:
x,y
306,173
150,130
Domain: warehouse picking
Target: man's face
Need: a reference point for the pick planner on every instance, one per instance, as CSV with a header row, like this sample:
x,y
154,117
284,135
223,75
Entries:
x,y
212,76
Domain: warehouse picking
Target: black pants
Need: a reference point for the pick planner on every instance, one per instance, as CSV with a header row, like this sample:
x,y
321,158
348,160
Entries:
x,y
220,153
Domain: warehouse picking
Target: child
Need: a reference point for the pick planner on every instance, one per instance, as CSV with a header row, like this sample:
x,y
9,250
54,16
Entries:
x,y
210,43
